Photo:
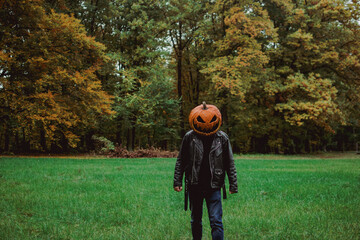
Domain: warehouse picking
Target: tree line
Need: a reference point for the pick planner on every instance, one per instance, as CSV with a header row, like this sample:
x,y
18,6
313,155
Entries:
x,y
284,74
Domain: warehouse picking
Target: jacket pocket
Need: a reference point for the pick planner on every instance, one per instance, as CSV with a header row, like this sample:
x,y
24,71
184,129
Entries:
x,y
219,178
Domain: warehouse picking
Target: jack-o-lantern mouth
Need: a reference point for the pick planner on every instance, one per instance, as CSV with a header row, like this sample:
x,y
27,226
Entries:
x,y
205,130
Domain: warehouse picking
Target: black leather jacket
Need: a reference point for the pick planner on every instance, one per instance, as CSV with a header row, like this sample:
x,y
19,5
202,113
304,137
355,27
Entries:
x,y
221,161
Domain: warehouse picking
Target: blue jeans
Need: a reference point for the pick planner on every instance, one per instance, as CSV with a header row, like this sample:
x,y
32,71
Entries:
x,y
213,203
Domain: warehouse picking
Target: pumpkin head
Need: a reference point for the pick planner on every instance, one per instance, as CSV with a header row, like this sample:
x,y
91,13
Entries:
x,y
205,119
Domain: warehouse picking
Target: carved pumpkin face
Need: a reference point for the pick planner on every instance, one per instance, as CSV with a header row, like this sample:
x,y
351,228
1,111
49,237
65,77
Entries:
x,y
205,119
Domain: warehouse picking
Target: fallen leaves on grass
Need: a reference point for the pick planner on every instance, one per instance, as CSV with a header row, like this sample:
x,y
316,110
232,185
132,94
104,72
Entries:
x,y
121,152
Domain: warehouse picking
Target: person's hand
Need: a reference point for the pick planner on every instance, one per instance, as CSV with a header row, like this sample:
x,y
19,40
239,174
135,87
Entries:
x,y
178,189
231,192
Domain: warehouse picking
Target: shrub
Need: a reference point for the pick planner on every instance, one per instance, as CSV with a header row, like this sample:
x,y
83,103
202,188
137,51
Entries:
x,y
102,145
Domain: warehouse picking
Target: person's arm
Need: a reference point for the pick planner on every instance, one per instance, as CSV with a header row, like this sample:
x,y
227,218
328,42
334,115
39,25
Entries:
x,y
230,167
180,165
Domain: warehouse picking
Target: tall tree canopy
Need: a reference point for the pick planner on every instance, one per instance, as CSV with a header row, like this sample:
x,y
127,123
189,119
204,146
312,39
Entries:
x,y
316,65
49,88
284,73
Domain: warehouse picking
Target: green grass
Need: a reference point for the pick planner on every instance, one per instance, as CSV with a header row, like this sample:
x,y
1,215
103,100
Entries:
x,y
59,198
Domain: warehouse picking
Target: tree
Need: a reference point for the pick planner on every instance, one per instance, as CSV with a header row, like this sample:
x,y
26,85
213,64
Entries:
x,y
239,61
49,88
184,19
134,34
137,47
287,69
316,64
285,74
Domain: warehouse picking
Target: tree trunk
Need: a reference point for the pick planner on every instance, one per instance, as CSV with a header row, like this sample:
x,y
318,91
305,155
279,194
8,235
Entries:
x,y
25,146
133,131
7,140
88,141
197,87
118,138
165,145
65,144
1,147
17,142
179,86
92,24
128,139
43,140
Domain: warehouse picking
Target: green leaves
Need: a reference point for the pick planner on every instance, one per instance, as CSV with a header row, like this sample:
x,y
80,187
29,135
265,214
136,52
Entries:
x,y
281,72
308,98
51,85
239,59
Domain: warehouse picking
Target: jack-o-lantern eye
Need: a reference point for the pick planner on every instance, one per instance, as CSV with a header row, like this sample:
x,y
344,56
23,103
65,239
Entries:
x,y
213,119
200,119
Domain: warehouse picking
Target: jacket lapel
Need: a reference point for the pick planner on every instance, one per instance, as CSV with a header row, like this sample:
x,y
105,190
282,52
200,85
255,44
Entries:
x,y
216,143
198,144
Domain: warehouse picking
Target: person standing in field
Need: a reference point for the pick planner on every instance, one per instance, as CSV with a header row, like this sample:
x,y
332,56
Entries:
x,y
205,156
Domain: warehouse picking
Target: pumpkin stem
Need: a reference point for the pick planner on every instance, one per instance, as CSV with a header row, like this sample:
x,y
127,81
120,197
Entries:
x,y
204,105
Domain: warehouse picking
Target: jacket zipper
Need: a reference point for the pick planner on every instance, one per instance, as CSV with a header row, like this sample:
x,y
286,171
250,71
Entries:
x,y
211,169
193,166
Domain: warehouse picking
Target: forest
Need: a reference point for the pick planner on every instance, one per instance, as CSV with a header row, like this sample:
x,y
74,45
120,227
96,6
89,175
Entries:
x,y
74,74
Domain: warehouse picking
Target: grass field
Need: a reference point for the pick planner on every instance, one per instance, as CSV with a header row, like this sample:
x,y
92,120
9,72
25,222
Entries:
x,y
60,198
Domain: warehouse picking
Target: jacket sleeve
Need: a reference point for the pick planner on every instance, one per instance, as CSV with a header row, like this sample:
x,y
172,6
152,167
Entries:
x,y
230,166
181,162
